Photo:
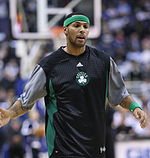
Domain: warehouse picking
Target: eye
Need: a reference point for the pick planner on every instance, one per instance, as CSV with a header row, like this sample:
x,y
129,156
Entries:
x,y
77,25
86,26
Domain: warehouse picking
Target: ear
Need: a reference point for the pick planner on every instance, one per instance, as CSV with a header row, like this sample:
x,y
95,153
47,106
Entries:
x,y
66,30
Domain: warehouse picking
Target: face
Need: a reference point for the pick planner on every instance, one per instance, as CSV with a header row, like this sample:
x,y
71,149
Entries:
x,y
77,33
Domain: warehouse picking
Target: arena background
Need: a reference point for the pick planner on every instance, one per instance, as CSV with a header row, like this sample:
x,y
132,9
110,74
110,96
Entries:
x,y
29,29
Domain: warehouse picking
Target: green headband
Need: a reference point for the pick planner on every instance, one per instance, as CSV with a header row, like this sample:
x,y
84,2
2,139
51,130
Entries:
x,y
76,18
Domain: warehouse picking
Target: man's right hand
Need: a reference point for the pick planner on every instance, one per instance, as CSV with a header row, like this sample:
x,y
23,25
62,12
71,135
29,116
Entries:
x,y
4,117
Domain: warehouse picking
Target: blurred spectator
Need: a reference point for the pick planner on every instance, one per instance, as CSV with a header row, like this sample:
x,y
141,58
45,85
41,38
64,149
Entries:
x,y
11,71
134,42
16,149
124,9
118,15
4,20
34,131
13,147
142,14
145,56
106,44
2,95
119,46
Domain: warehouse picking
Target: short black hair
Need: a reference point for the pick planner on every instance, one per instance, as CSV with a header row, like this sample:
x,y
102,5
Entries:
x,y
72,14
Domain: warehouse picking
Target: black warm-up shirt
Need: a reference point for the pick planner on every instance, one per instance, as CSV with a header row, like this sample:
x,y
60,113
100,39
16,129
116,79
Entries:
x,y
75,89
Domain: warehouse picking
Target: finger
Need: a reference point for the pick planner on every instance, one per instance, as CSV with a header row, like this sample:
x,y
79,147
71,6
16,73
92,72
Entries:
x,y
143,121
141,116
136,115
143,124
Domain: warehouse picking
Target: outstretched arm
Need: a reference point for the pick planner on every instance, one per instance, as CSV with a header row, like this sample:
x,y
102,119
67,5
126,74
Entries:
x,y
118,95
137,112
34,90
14,111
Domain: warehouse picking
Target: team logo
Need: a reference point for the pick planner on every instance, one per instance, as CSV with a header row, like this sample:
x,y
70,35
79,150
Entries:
x,y
82,78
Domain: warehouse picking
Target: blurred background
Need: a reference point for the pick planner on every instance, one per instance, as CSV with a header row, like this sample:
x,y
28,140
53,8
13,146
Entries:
x,y
29,29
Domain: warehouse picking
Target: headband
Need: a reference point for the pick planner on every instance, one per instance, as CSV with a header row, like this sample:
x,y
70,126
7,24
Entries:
x,y
76,18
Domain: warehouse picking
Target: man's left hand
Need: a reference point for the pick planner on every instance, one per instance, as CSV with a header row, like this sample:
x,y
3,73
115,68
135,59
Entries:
x,y
141,116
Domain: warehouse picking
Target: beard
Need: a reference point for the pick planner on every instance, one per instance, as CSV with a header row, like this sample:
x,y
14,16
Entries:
x,y
76,42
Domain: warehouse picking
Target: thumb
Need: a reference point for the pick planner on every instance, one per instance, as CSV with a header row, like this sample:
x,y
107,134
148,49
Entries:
x,y
136,114
2,110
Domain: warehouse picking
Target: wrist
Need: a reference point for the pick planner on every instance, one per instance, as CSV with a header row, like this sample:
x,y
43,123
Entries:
x,y
10,113
133,106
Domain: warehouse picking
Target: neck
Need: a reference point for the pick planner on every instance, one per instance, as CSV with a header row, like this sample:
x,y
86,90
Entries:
x,y
74,50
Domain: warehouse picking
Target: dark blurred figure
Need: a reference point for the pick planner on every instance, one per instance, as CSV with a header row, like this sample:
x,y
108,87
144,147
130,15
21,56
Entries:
x,y
16,149
13,147
2,138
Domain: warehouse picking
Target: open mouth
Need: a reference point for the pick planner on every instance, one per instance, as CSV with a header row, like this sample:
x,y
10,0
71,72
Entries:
x,y
80,37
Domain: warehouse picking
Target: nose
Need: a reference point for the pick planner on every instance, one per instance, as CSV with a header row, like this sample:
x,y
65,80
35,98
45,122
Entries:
x,y
82,29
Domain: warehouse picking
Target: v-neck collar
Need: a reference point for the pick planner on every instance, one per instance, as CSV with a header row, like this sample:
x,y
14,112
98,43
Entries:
x,y
71,55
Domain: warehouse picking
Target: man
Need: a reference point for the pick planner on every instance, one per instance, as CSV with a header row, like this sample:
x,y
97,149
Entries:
x,y
75,81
